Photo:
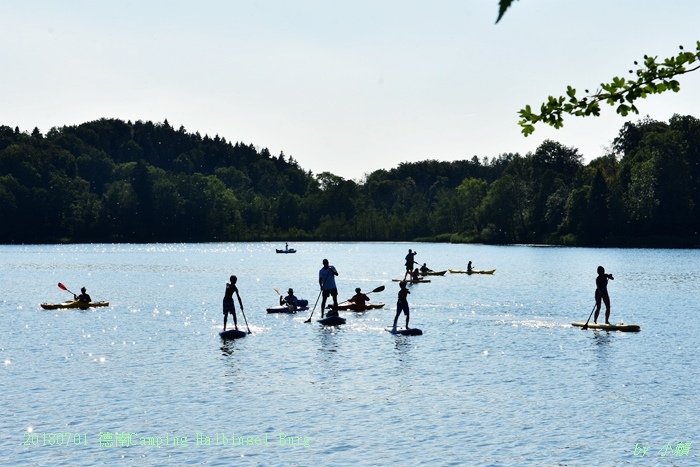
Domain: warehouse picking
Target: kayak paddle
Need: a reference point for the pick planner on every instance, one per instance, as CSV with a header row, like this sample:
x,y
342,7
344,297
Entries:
x,y
63,287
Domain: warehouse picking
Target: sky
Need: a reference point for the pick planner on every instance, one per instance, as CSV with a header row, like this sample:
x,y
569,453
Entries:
x,y
346,87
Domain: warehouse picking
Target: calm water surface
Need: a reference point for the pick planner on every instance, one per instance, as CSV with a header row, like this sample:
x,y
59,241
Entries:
x,y
498,378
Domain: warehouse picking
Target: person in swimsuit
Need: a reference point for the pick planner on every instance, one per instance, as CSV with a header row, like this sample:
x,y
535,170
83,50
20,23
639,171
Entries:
x,y
326,279
601,294
229,306
402,304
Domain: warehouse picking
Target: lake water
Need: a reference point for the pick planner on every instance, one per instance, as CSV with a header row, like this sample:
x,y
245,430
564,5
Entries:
x,y
499,377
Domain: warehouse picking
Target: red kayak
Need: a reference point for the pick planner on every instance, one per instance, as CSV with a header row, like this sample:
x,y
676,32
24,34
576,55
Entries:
x,y
350,306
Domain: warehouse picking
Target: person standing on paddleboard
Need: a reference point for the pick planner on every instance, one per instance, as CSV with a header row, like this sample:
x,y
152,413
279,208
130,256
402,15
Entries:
x,y
326,279
402,304
601,293
410,260
229,306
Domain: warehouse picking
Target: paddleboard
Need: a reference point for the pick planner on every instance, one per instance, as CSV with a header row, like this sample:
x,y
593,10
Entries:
x,y
609,327
419,281
332,321
232,334
405,332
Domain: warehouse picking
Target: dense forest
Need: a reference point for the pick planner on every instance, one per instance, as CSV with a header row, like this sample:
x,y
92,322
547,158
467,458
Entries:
x,y
116,181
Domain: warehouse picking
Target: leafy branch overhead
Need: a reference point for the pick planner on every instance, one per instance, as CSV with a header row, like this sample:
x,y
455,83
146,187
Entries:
x,y
652,77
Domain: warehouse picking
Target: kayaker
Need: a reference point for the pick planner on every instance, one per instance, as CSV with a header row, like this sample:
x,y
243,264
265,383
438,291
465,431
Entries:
x,y
469,267
424,269
229,306
601,294
360,300
83,297
410,260
290,300
326,279
415,275
402,304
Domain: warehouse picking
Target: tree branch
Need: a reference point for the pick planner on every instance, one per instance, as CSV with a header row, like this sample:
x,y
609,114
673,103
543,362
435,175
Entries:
x,y
652,78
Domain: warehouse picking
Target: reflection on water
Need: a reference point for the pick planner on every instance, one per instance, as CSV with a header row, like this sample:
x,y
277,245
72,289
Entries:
x,y
602,338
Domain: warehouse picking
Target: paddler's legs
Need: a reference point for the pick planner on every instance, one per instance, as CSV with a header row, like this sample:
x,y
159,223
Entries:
x,y
408,315
399,308
323,302
235,321
334,294
597,307
606,299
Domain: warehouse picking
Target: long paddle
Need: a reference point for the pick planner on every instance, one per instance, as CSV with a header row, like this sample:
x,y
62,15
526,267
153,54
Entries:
x,y
314,309
246,321
63,287
585,326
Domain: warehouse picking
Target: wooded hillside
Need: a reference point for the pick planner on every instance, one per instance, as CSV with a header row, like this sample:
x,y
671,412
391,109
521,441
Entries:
x,y
116,181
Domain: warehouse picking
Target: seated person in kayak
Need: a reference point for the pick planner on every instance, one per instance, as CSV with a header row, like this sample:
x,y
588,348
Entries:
x,y
425,269
83,297
415,275
359,299
290,300
469,267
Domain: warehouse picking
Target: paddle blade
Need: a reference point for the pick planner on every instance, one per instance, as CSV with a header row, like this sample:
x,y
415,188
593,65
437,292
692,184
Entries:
x,y
378,289
61,286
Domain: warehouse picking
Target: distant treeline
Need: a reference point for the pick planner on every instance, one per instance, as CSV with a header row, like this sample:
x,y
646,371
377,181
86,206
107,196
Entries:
x,y
116,181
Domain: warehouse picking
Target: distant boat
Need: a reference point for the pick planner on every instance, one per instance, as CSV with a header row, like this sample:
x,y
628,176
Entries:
x,y
286,249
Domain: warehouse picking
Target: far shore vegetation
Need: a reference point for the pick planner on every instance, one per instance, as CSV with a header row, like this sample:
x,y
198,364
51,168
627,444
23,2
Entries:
x,y
123,182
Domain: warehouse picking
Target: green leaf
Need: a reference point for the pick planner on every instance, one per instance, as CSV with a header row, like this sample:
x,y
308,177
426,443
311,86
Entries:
x,y
503,5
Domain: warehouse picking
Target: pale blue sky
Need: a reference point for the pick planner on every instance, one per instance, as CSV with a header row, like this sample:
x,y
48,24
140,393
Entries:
x,y
347,87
